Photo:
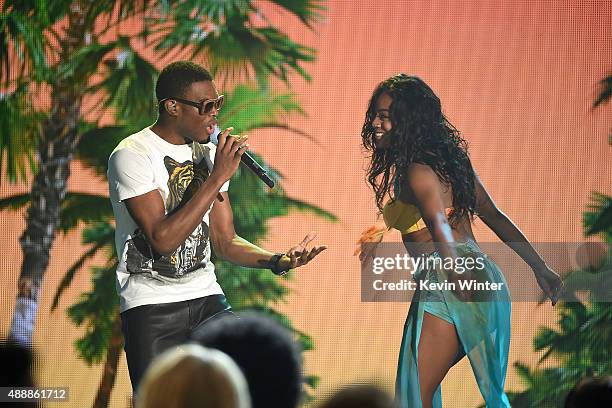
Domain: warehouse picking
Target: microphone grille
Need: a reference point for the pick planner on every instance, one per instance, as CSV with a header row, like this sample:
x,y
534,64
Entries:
x,y
214,138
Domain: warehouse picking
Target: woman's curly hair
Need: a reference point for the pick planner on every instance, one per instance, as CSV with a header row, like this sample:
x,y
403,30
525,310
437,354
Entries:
x,y
420,134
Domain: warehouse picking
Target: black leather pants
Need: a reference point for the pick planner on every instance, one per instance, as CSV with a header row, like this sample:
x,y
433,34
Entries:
x,y
151,329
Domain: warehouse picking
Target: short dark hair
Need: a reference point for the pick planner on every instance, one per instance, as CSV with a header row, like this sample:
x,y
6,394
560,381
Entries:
x,y
265,352
176,77
590,392
16,362
360,395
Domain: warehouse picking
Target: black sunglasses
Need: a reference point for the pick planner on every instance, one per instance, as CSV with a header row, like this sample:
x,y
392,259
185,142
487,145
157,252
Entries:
x,y
203,107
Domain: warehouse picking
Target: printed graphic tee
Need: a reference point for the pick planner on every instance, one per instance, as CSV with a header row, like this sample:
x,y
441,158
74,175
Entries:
x,y
145,162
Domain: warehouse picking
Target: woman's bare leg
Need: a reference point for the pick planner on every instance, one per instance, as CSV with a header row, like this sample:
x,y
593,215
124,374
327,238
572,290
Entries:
x,y
438,347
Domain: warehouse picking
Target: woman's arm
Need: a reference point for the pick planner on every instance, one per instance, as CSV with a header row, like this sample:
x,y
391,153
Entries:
x,y
504,228
509,233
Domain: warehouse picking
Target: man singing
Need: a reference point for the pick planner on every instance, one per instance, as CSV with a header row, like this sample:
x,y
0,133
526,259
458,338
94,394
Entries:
x,y
168,187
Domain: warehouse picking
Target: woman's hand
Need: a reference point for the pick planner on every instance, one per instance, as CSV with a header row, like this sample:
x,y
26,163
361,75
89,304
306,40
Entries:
x,y
369,240
550,282
460,290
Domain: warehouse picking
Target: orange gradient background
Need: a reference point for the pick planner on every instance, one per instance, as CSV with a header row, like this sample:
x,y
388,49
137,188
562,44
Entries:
x,y
517,78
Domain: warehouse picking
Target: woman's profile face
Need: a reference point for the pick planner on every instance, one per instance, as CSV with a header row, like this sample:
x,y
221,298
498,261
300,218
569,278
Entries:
x,y
382,121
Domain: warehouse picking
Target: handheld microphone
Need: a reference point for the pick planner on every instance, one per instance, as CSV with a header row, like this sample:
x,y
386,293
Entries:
x,y
247,160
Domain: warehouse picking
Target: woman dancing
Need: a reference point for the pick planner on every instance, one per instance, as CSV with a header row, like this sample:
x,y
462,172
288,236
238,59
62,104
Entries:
x,y
420,162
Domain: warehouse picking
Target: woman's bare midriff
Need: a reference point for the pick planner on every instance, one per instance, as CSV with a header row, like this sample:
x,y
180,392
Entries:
x,y
421,242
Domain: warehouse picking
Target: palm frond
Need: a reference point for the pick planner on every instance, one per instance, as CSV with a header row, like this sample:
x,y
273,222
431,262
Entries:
x,y
580,345
253,204
247,288
83,207
215,10
232,45
249,108
303,206
263,51
598,284
70,274
97,310
97,143
598,217
22,46
546,387
19,133
46,13
114,11
289,129
76,208
15,202
129,85
605,92
102,231
283,54
98,306
85,61
308,11
276,205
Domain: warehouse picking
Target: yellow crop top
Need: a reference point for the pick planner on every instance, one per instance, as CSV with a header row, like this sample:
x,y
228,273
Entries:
x,y
404,217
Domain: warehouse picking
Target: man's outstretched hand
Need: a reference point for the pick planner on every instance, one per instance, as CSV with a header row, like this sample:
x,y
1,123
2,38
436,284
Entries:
x,y
300,255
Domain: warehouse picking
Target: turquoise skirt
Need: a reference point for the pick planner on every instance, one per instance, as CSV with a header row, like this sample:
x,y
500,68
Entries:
x,y
483,328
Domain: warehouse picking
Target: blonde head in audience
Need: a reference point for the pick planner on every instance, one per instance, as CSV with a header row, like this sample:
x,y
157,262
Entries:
x,y
193,376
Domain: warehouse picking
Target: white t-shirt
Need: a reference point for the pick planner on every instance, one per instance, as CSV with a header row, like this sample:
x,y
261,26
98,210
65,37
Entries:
x,y
145,162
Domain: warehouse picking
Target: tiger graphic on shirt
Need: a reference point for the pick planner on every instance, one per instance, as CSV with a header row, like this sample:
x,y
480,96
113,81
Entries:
x,y
184,179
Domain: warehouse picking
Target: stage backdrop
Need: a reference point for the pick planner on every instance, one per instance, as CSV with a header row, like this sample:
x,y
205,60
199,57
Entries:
x,y
517,78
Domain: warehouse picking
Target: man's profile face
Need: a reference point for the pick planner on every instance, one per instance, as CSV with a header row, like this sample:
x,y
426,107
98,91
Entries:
x,y
192,125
